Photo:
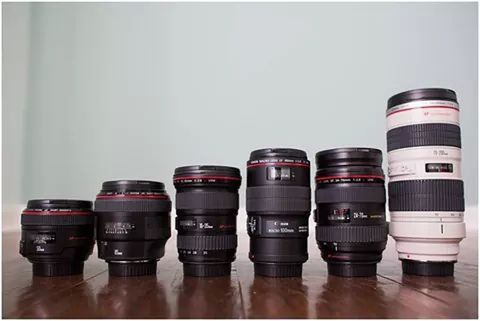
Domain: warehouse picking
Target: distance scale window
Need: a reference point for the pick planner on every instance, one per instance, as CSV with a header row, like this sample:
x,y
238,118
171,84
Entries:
x,y
439,168
280,174
340,215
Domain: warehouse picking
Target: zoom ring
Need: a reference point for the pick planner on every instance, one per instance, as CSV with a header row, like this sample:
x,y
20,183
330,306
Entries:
x,y
276,191
278,205
207,242
426,195
423,135
57,220
363,194
206,200
132,205
352,234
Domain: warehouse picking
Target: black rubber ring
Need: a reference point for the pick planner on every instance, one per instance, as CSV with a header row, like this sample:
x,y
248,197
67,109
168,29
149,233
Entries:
x,y
132,205
207,242
275,191
57,220
426,195
278,205
338,194
424,135
352,234
206,200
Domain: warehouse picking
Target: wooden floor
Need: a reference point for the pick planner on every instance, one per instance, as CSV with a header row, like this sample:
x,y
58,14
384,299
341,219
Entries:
x,y
170,295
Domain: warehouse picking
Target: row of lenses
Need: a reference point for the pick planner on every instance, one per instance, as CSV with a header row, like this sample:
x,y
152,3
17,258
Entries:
x,y
131,219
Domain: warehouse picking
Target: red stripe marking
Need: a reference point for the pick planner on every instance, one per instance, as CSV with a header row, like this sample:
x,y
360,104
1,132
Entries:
x,y
425,107
57,213
278,164
132,196
227,178
352,176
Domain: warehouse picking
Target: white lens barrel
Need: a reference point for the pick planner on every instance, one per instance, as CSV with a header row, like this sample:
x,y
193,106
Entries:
x,y
425,187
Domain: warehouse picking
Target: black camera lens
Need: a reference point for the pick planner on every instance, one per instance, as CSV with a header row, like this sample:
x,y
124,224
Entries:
x,y
133,226
207,208
278,206
351,229
57,236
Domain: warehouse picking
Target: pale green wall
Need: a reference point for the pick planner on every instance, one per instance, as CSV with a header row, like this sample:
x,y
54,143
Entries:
x,y
134,90
15,74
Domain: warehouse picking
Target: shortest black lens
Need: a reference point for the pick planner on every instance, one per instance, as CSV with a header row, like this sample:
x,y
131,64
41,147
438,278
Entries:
x,y
351,229
133,226
207,207
57,236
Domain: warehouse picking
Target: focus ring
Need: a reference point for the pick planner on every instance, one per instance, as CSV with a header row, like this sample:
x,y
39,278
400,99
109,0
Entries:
x,y
206,200
426,195
366,194
352,234
207,242
278,205
132,205
423,135
275,191
57,220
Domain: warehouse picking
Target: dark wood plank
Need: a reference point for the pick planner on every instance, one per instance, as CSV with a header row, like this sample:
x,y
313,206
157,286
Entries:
x,y
242,295
459,294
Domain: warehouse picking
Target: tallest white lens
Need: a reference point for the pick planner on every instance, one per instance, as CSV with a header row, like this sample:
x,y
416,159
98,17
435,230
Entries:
x,y
425,184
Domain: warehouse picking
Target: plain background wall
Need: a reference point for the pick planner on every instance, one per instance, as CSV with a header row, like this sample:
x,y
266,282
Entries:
x,y
119,90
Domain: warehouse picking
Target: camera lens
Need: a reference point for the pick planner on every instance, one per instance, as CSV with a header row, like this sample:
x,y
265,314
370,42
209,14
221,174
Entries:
x,y
425,189
133,226
57,236
207,208
351,229
278,206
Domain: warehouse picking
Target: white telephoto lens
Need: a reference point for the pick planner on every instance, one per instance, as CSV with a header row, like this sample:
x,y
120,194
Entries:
x,y
425,187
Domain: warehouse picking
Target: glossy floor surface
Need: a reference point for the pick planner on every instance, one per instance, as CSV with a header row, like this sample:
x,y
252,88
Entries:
x,y
171,295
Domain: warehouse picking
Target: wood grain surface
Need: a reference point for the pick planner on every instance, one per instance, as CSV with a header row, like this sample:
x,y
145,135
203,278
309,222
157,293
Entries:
x,y
242,295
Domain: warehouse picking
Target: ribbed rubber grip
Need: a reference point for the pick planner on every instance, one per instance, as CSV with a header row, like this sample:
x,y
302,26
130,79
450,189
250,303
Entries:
x,y
423,135
57,220
426,195
275,191
352,234
132,205
206,200
364,194
207,242
278,205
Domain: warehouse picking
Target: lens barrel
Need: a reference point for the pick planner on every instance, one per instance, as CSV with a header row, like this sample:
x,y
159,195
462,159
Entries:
x,y
207,207
278,206
351,228
57,235
133,225
425,188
